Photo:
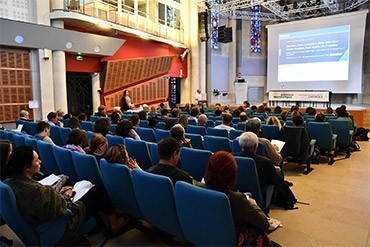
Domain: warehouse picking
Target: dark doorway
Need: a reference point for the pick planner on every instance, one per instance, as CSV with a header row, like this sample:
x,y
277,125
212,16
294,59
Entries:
x,y
79,93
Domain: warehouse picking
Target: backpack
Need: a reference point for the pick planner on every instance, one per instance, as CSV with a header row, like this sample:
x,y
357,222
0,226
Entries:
x,y
284,197
361,134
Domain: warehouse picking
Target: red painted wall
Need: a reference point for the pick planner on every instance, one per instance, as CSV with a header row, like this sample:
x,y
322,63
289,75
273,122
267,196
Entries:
x,y
132,48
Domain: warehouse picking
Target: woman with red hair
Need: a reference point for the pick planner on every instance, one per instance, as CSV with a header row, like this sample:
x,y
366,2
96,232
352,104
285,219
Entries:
x,y
249,219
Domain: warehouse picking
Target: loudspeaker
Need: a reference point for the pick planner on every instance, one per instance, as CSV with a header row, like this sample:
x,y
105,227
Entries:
x,y
225,34
203,26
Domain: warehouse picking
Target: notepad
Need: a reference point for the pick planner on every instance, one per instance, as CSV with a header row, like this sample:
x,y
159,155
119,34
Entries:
x,y
278,143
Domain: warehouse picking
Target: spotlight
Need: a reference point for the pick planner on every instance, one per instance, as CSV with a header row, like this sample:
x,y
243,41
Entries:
x,y
295,5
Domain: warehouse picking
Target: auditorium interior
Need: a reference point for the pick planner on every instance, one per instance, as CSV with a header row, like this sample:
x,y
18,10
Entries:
x,y
77,55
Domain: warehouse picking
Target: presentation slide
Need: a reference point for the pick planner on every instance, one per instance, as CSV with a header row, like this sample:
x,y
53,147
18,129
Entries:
x,y
317,54
324,51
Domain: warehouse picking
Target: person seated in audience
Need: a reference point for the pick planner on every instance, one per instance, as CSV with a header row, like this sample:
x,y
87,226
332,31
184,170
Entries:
x,y
102,111
73,123
43,132
102,126
308,109
76,140
115,117
243,117
221,175
272,120
153,110
170,122
39,203
143,115
226,122
284,115
175,112
267,108
194,112
178,132
266,170
260,109
329,111
294,108
226,109
53,119
161,107
6,149
125,129
246,104
236,112
24,115
297,120
184,120
145,108
164,114
153,122
312,112
67,116
320,117
169,152
296,113
254,108
60,113
342,114
278,110
117,109
202,120
117,153
82,117
134,118
98,145
218,112
270,151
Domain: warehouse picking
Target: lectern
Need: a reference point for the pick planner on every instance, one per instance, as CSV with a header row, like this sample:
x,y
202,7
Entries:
x,y
241,92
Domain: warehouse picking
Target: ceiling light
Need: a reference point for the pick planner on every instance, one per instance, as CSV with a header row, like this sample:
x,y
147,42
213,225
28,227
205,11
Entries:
x,y
103,25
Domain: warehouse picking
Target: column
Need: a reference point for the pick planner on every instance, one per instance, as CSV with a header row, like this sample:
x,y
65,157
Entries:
x,y
95,88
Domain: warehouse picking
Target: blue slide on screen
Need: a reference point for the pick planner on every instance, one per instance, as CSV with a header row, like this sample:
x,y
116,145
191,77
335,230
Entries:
x,y
314,55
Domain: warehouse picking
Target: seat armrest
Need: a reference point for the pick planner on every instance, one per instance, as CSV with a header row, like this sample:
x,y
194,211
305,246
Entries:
x,y
312,146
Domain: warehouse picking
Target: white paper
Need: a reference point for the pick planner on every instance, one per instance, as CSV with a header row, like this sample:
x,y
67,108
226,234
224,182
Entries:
x,y
49,180
278,143
81,188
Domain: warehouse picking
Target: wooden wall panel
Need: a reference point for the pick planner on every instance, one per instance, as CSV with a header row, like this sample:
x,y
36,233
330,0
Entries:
x,y
15,84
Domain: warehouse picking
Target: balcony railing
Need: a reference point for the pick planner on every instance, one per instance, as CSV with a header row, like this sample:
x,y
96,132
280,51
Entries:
x,y
126,16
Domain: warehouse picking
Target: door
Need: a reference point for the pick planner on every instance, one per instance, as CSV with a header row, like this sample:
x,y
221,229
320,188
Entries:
x,y
79,93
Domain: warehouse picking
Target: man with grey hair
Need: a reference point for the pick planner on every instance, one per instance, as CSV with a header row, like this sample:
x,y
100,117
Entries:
x,y
202,120
267,172
270,151
178,132
24,115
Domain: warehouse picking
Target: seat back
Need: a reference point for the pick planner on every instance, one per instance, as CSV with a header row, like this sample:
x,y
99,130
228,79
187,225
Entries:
x,y
112,128
218,122
144,123
192,121
195,140
9,135
217,132
248,178
94,118
156,198
235,133
194,129
161,133
241,126
146,134
161,125
235,147
297,143
87,168
271,132
87,125
64,133
153,152
65,164
114,140
342,129
29,141
210,123
205,216
2,134
89,134
194,161
46,153
117,181
45,234
216,143
138,150
323,134
55,136
18,140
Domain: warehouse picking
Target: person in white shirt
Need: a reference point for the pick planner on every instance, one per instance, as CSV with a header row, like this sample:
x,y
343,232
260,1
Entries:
x,y
226,122
198,96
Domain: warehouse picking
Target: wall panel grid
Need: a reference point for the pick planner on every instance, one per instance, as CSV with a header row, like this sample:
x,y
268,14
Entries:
x,y
15,84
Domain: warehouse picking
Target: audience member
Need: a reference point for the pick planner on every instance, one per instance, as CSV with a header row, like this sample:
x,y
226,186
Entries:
x,y
261,109
312,112
117,153
329,111
218,112
125,129
98,145
194,112
246,104
60,113
24,115
153,122
102,126
126,101
254,108
294,108
270,151
320,117
115,117
73,123
221,175
267,109
202,120
266,171
102,111
175,112
272,120
164,114
153,110
342,114
76,140
243,117
170,122
143,115
284,114
135,120
308,109
145,108
82,117
67,116
53,119
226,122
278,110
168,151
39,203
43,132
6,149
183,120
297,120
178,132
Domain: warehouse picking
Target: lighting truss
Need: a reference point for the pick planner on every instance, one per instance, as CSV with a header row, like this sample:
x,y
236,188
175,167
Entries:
x,y
239,9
